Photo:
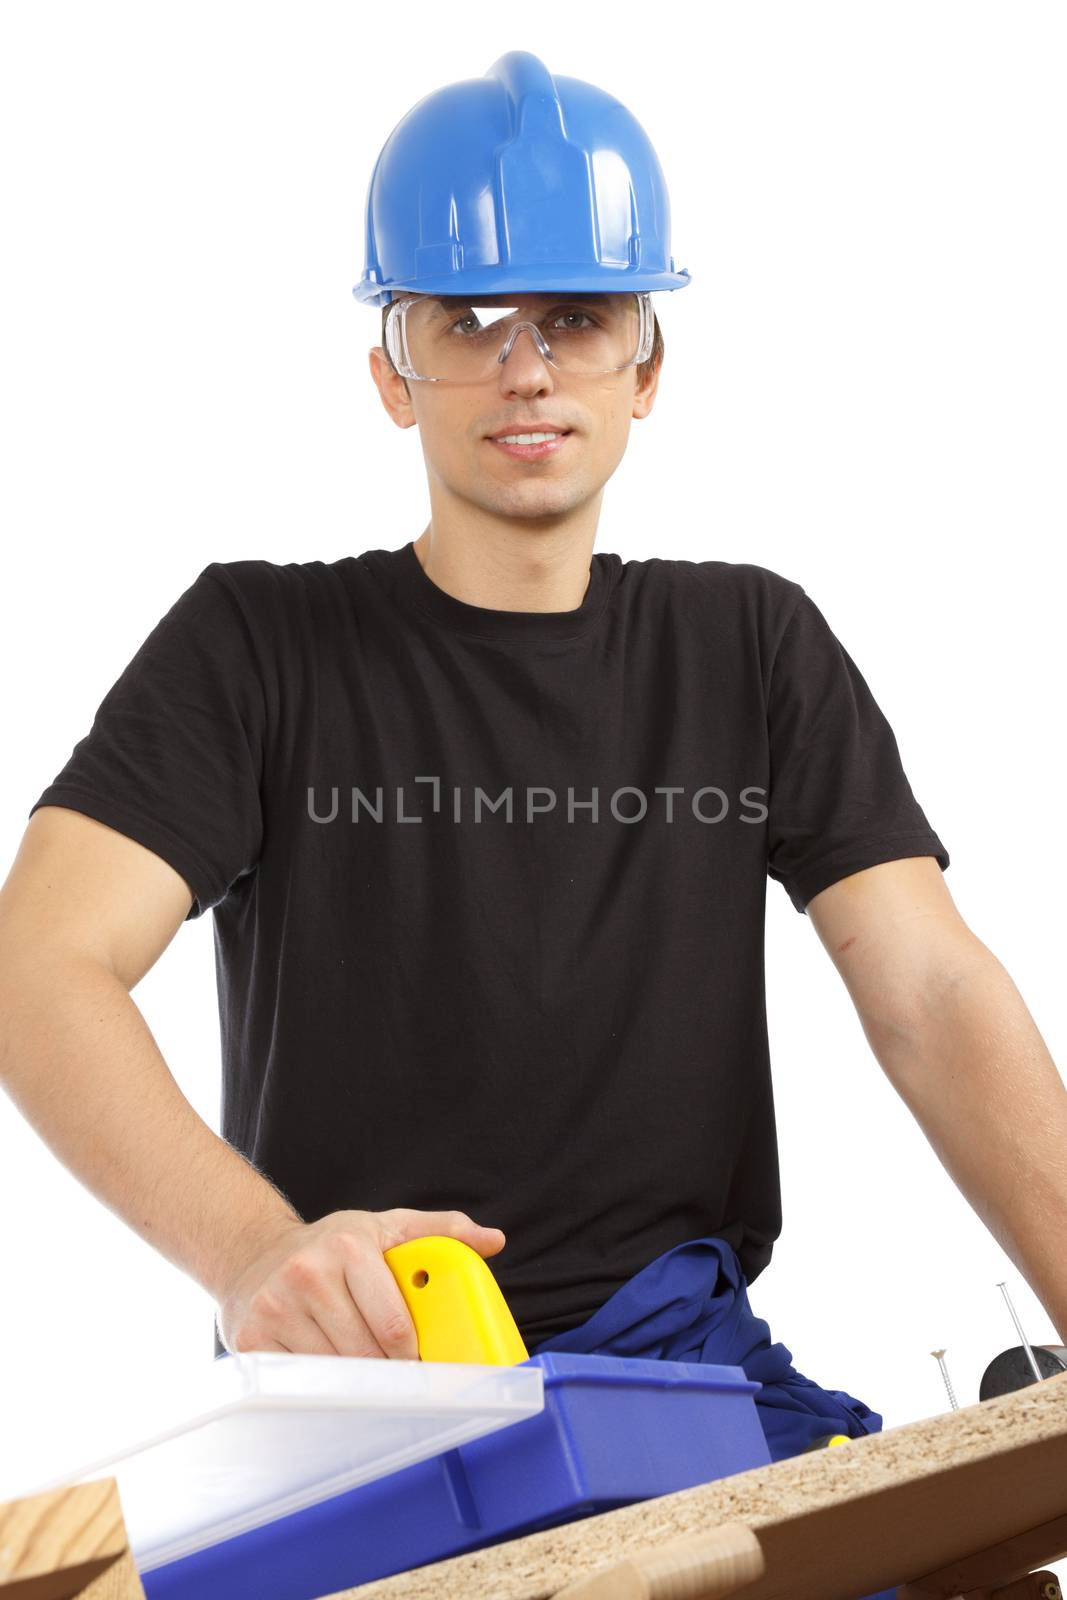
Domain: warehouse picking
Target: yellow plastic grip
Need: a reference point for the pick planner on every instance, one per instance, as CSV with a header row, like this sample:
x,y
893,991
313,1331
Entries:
x,y
455,1303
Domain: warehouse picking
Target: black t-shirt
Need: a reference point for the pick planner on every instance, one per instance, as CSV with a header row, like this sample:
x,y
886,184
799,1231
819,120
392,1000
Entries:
x,y
444,979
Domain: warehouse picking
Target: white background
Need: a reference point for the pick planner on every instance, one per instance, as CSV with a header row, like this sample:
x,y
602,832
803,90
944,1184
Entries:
x,y
863,390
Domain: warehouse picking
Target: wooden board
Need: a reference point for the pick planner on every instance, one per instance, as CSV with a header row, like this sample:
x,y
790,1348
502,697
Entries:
x,y
67,1544
912,1502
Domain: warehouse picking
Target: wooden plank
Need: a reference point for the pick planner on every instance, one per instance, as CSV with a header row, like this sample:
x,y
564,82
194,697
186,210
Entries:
x,y
886,1509
67,1544
995,1568
702,1566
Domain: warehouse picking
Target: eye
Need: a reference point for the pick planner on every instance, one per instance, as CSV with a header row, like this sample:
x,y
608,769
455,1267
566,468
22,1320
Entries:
x,y
559,316
575,311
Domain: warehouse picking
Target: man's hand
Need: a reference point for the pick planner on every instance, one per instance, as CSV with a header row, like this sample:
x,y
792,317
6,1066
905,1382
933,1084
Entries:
x,y
322,1288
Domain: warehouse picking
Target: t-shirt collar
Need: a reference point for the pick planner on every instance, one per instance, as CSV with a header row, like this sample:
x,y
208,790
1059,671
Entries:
x,y
416,587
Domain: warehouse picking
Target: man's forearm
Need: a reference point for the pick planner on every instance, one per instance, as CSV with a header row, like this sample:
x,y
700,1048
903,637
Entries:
x,y
976,1074
80,1062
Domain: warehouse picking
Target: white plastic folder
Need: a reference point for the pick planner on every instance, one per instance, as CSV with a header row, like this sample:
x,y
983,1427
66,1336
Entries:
x,y
263,1434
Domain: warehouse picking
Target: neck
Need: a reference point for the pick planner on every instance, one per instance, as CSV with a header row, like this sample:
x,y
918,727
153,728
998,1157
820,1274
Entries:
x,y
508,569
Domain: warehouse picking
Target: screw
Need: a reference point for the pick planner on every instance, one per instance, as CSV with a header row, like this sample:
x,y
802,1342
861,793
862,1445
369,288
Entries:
x,y
940,1355
1022,1337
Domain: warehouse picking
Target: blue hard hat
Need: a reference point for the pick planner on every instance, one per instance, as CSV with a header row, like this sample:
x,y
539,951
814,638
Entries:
x,y
517,181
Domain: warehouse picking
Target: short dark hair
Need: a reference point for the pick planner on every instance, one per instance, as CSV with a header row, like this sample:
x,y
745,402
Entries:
x,y
644,371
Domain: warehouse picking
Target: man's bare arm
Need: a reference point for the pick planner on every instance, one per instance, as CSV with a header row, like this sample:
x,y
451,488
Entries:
x,y
85,912
955,1038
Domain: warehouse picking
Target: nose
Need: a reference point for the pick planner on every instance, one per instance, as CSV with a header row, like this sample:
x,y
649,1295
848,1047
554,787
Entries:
x,y
522,366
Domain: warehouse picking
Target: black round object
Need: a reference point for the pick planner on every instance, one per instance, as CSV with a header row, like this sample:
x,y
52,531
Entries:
x,y
1012,1370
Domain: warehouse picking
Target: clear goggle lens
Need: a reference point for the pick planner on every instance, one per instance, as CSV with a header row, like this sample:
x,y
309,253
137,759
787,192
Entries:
x,y
448,339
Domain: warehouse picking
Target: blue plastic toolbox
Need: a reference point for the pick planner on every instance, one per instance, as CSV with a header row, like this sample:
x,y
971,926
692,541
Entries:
x,y
613,1431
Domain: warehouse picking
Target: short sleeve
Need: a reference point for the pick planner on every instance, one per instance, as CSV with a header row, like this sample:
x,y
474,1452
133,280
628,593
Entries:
x,y
174,756
839,798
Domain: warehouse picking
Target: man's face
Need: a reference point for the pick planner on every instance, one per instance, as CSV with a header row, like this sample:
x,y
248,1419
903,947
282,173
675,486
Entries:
x,y
456,420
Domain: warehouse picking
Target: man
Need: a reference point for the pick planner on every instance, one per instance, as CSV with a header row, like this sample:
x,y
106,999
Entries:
x,y
485,822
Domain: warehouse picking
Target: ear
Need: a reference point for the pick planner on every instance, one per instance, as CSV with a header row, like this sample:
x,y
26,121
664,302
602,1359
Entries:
x,y
645,393
394,391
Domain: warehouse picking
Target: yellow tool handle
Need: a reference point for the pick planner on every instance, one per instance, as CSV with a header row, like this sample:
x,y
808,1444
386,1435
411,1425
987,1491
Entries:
x,y
455,1303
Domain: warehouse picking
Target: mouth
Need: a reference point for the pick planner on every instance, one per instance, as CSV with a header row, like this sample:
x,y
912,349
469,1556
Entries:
x,y
539,451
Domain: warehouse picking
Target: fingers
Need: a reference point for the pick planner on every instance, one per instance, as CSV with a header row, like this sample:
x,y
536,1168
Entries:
x,y
346,1301
383,1315
329,1288
453,1224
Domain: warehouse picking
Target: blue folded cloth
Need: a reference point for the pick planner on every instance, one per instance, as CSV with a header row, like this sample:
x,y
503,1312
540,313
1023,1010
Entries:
x,y
691,1304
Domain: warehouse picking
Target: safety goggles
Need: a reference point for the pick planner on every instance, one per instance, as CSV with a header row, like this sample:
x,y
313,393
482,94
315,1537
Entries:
x,y
451,339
